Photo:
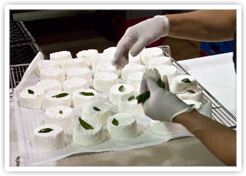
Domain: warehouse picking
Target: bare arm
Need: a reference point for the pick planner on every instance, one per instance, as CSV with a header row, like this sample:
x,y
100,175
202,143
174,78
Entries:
x,y
219,139
203,25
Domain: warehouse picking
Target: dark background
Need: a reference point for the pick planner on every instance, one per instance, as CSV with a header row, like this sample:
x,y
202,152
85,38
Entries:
x,y
76,30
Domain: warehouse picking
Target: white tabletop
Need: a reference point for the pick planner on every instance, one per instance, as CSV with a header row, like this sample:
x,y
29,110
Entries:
x,y
216,74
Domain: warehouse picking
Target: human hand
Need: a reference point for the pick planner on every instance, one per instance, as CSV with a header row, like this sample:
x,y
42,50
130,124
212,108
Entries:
x,y
138,36
162,105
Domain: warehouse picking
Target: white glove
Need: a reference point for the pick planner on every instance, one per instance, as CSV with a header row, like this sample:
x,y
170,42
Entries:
x,y
138,36
206,110
162,105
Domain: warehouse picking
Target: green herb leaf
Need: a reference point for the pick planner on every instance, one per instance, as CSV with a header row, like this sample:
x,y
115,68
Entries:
x,y
160,83
190,91
115,122
87,93
142,97
60,112
191,104
186,80
45,130
121,88
85,125
30,91
96,108
60,95
131,98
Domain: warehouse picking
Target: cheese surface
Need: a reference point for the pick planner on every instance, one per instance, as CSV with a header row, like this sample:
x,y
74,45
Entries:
x,y
103,81
131,68
74,84
51,100
128,105
83,96
88,137
50,84
122,126
87,55
182,83
118,90
32,97
48,141
62,116
42,64
149,53
97,111
53,73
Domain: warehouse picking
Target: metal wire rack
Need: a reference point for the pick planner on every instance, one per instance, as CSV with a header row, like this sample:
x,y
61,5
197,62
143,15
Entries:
x,y
22,51
19,33
20,58
16,73
219,112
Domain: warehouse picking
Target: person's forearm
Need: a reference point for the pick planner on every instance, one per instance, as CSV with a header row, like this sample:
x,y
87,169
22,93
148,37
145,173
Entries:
x,y
203,25
219,139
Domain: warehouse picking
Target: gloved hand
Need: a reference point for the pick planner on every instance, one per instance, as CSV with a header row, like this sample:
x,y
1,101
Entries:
x,y
162,105
206,110
138,36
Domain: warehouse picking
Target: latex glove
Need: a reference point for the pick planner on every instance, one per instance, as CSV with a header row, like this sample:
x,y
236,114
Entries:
x,y
162,105
206,110
139,36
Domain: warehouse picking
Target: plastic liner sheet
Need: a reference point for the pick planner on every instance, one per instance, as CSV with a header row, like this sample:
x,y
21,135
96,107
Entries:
x,y
28,119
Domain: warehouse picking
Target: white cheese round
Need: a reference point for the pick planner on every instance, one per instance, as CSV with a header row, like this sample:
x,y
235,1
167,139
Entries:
x,y
48,141
192,94
122,126
60,56
135,80
130,105
156,61
32,97
72,63
51,99
149,53
50,84
81,72
87,55
81,97
197,105
42,64
88,137
98,59
136,59
109,52
62,116
131,68
52,73
103,81
74,84
106,66
118,90
182,83
169,71
97,111
164,128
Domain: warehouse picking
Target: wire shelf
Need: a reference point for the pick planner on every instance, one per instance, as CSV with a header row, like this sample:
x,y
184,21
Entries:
x,y
19,33
219,112
22,53
16,73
